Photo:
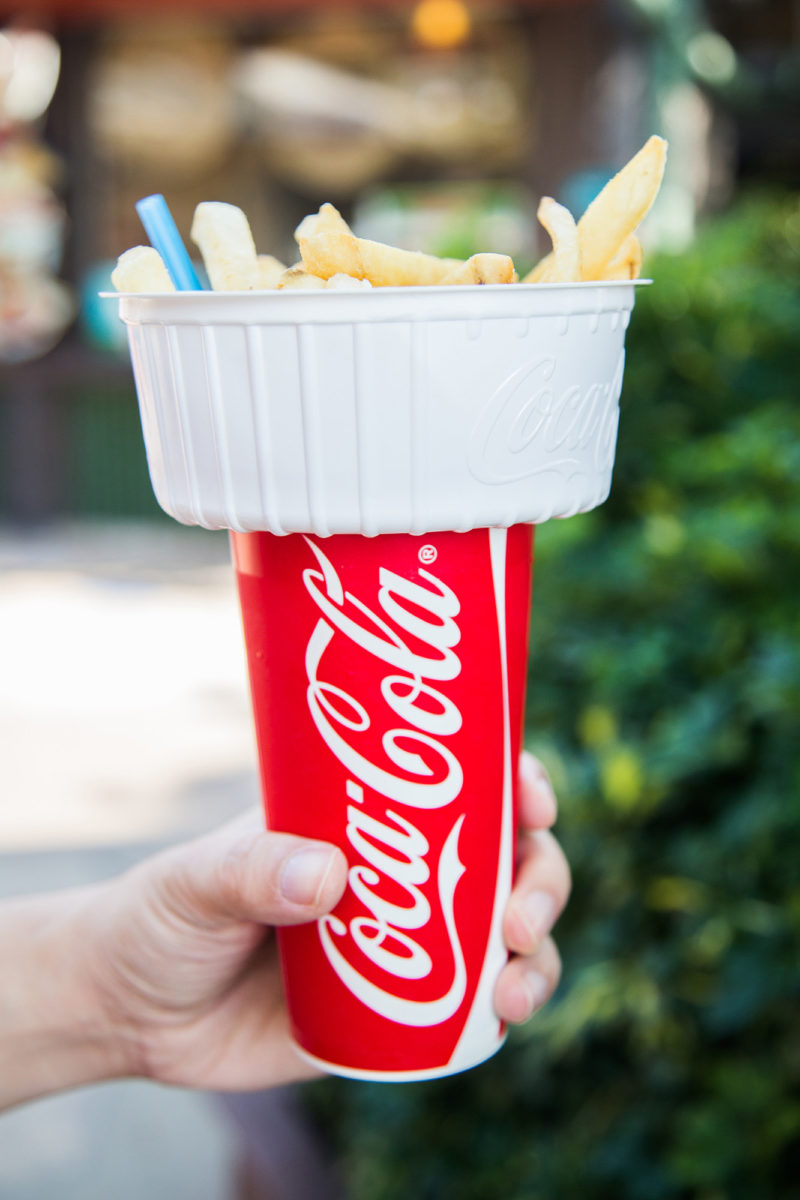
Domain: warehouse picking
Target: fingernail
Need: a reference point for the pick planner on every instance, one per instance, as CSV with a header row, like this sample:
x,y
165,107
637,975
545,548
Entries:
x,y
304,874
539,914
538,989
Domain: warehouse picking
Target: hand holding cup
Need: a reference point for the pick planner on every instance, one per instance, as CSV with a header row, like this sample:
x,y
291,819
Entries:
x,y
181,969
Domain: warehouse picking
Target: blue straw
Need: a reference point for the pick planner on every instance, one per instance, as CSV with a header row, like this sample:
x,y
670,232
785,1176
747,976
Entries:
x,y
163,233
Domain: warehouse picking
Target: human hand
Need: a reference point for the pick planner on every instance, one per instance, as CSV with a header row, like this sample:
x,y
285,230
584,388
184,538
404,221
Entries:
x,y
183,962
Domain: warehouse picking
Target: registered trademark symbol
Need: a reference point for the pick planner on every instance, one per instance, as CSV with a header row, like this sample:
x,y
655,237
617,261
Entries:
x,y
428,554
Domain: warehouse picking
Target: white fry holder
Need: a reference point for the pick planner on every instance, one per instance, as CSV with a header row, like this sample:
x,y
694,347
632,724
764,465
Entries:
x,y
393,410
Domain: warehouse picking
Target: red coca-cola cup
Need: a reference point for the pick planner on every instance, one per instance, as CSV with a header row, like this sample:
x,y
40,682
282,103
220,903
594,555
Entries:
x,y
388,681
387,676
387,658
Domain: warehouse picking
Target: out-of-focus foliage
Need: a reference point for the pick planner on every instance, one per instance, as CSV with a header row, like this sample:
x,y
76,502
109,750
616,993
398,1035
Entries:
x,y
664,695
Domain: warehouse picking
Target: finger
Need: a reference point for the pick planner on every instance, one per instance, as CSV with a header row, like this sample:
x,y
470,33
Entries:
x,y
537,802
238,875
540,893
525,984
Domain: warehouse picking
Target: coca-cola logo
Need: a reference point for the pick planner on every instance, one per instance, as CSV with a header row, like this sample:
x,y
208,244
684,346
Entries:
x,y
531,425
413,637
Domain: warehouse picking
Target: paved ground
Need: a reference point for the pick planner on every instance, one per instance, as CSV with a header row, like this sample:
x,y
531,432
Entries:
x,y
123,699
124,723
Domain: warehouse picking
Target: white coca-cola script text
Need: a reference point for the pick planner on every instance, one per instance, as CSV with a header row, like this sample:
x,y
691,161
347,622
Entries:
x,y
419,772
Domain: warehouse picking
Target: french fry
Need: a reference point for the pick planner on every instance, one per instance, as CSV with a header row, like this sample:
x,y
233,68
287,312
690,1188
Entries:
x,y
141,269
327,254
482,268
269,271
562,265
538,273
620,207
327,220
627,262
222,234
347,283
298,279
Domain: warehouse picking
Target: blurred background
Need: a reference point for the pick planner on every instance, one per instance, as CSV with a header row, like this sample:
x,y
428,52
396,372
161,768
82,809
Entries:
x,y
664,690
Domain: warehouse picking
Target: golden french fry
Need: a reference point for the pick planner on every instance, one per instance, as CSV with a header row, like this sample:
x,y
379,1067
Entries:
x,y
269,271
298,279
327,220
141,269
627,262
222,233
562,265
537,273
620,207
482,268
347,283
327,254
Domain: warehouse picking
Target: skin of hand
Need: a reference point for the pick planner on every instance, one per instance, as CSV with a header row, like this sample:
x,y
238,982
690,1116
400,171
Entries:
x,y
173,966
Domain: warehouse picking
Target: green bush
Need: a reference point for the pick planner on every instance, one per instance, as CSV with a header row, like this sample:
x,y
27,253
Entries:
x,y
664,695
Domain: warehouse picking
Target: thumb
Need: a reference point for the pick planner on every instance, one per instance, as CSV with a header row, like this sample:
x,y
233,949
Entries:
x,y
264,877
